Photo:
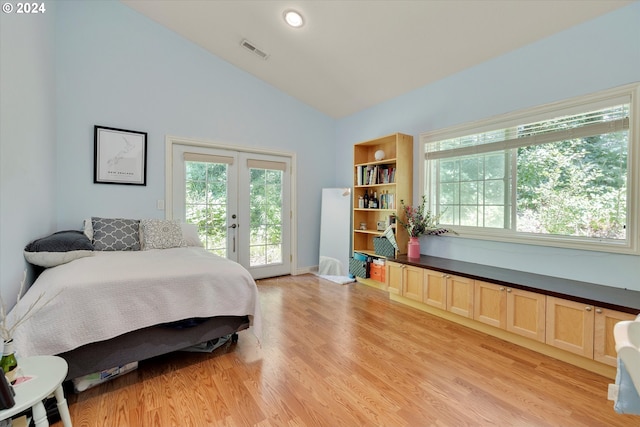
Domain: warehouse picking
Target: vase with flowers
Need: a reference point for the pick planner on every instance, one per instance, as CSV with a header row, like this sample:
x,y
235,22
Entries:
x,y
419,221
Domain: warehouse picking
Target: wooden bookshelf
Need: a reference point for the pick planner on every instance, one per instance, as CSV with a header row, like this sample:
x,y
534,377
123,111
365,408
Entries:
x,y
391,177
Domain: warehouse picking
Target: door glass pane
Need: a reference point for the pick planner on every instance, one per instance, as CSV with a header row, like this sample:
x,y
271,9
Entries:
x,y
265,196
206,203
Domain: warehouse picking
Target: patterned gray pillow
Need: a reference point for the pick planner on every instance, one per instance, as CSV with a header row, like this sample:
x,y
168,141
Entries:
x,y
161,234
116,234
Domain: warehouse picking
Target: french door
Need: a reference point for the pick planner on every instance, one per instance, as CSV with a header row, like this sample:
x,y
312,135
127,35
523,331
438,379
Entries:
x,y
240,202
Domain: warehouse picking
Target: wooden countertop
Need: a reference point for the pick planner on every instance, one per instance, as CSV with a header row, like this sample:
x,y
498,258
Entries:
x,y
619,299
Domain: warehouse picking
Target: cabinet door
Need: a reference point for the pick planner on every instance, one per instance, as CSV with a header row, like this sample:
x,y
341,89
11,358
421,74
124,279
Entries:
x,y
435,289
604,346
490,304
570,326
394,281
526,314
460,296
412,283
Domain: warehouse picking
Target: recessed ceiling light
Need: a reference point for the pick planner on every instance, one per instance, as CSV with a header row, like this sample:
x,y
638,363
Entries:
x,y
293,18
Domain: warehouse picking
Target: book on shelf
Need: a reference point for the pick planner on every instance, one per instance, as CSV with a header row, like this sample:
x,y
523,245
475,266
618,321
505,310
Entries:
x,y
375,174
387,200
387,175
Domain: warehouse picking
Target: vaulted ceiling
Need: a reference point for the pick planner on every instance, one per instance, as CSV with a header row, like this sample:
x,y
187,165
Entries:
x,y
351,55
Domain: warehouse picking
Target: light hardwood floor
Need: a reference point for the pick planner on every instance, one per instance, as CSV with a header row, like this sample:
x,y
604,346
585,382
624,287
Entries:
x,y
344,355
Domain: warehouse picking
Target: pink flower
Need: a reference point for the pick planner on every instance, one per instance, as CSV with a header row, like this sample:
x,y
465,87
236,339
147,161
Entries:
x,y
419,222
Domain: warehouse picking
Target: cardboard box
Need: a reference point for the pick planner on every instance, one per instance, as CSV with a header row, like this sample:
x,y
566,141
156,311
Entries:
x,y
377,272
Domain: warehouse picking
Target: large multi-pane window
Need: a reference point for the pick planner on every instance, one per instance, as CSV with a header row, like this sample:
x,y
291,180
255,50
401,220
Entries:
x,y
559,175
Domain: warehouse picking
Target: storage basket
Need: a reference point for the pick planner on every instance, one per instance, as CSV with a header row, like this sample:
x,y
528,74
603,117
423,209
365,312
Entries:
x,y
383,247
358,268
359,256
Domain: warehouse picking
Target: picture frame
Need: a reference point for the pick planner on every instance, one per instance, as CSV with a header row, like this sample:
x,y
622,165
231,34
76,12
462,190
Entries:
x,y
120,156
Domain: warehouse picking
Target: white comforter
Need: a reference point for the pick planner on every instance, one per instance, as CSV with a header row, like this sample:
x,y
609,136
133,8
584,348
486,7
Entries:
x,y
103,296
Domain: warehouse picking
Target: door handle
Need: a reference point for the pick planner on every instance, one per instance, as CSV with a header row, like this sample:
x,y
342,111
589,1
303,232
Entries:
x,y
234,236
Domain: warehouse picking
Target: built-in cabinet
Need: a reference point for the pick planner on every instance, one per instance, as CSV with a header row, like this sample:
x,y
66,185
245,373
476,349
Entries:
x,y
604,345
435,289
395,277
405,280
412,283
571,326
445,291
526,313
515,310
460,295
583,329
490,304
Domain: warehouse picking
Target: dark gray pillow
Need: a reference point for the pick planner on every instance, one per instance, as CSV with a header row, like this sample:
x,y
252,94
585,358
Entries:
x,y
58,248
116,234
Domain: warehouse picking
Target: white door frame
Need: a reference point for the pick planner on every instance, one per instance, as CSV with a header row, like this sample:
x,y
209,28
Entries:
x,y
170,141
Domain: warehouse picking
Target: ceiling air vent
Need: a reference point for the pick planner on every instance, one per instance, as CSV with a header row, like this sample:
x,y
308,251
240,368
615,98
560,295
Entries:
x,y
252,48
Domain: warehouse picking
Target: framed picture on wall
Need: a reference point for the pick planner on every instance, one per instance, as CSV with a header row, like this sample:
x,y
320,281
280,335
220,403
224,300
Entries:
x,y
120,156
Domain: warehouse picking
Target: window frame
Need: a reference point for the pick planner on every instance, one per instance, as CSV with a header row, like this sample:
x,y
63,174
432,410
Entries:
x,y
623,94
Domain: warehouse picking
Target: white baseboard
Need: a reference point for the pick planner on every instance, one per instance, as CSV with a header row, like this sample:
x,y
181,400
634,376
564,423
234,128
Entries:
x,y
305,270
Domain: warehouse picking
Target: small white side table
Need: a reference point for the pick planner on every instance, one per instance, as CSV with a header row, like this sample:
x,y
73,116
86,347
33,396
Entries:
x,y
48,373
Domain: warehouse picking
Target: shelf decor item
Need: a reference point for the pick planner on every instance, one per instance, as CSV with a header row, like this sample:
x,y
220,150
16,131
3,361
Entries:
x,y
413,247
383,247
379,155
420,221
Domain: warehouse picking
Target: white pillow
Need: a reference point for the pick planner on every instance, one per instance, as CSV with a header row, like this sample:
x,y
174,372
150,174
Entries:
x,y
53,259
58,248
161,234
190,234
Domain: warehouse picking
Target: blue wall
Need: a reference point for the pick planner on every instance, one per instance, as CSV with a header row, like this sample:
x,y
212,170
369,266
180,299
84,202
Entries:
x,y
117,68
101,63
87,63
27,140
596,55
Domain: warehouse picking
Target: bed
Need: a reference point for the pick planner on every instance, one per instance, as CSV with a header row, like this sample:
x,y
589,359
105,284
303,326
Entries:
x,y
112,307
